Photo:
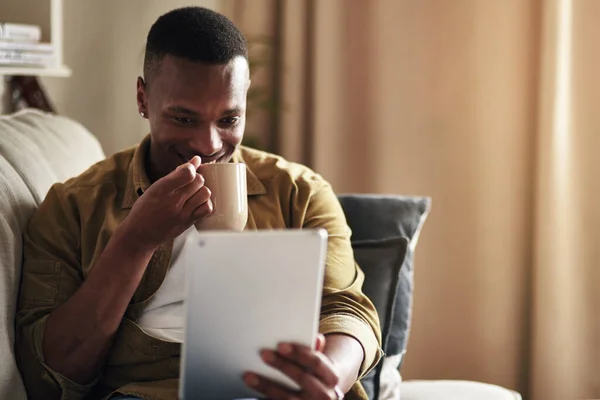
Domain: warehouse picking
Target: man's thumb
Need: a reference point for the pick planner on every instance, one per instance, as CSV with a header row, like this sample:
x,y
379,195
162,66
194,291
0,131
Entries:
x,y
320,343
196,161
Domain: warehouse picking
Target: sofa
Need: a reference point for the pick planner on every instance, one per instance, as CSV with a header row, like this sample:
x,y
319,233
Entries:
x,y
38,149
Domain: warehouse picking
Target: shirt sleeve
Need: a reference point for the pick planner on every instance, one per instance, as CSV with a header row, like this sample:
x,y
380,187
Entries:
x,y
345,309
51,274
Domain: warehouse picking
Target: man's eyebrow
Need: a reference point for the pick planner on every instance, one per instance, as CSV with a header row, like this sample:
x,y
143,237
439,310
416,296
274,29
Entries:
x,y
233,111
184,110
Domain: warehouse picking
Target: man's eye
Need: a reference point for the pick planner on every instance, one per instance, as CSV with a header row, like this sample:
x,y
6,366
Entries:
x,y
229,120
183,120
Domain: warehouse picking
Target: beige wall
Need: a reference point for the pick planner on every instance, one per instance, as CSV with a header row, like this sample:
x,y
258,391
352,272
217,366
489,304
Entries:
x,y
104,43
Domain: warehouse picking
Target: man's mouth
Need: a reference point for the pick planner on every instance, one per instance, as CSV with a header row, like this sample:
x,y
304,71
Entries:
x,y
205,160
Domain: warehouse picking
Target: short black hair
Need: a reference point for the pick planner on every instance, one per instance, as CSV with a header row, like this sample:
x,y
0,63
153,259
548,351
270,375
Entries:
x,y
196,34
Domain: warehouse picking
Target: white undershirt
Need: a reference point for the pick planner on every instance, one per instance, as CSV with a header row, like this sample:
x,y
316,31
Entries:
x,y
163,317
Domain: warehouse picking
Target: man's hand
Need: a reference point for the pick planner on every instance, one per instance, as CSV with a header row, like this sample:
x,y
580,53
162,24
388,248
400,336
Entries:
x,y
312,370
169,207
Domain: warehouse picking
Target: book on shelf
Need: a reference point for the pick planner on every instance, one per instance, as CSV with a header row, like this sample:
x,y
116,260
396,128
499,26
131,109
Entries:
x,y
26,46
20,32
27,59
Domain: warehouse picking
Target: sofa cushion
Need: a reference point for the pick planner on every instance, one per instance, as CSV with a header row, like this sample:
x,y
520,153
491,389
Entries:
x,y
44,148
16,205
455,390
381,261
36,150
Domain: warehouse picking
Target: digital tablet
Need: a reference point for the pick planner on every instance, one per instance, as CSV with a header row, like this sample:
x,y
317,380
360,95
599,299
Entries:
x,y
246,292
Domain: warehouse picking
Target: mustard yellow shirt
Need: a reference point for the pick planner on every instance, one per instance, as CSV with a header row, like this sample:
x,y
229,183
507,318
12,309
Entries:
x,y
74,223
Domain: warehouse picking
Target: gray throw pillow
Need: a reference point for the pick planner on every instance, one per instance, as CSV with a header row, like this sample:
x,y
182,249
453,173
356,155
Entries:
x,y
378,217
381,261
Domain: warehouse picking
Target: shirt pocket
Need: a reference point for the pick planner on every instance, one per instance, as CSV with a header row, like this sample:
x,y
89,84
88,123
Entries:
x,y
40,283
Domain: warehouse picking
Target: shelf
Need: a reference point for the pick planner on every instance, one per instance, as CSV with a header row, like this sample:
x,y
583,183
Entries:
x,y
49,16
61,72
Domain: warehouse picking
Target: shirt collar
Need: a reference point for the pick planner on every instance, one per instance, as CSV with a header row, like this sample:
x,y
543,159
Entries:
x,y
138,181
253,184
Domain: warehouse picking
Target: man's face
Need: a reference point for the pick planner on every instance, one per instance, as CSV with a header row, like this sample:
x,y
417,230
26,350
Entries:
x,y
194,109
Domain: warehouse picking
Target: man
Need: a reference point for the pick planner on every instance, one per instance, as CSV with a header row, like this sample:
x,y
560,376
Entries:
x,y
101,246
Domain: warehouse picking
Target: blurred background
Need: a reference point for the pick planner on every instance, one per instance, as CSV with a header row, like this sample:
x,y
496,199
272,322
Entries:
x,y
487,106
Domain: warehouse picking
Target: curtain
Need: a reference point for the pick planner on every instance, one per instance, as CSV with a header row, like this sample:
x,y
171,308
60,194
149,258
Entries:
x,y
565,324
488,106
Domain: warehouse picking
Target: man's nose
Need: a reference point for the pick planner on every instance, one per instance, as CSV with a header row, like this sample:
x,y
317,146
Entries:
x,y
207,141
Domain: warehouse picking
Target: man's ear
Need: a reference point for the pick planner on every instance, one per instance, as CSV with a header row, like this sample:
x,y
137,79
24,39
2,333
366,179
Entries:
x,y
142,97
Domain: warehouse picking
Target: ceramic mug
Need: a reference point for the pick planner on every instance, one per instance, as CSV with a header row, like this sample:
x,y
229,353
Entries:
x,y
229,196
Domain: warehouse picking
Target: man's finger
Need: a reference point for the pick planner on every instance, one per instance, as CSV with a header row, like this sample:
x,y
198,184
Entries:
x,y
181,176
197,195
270,389
187,191
203,211
314,361
199,205
311,386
